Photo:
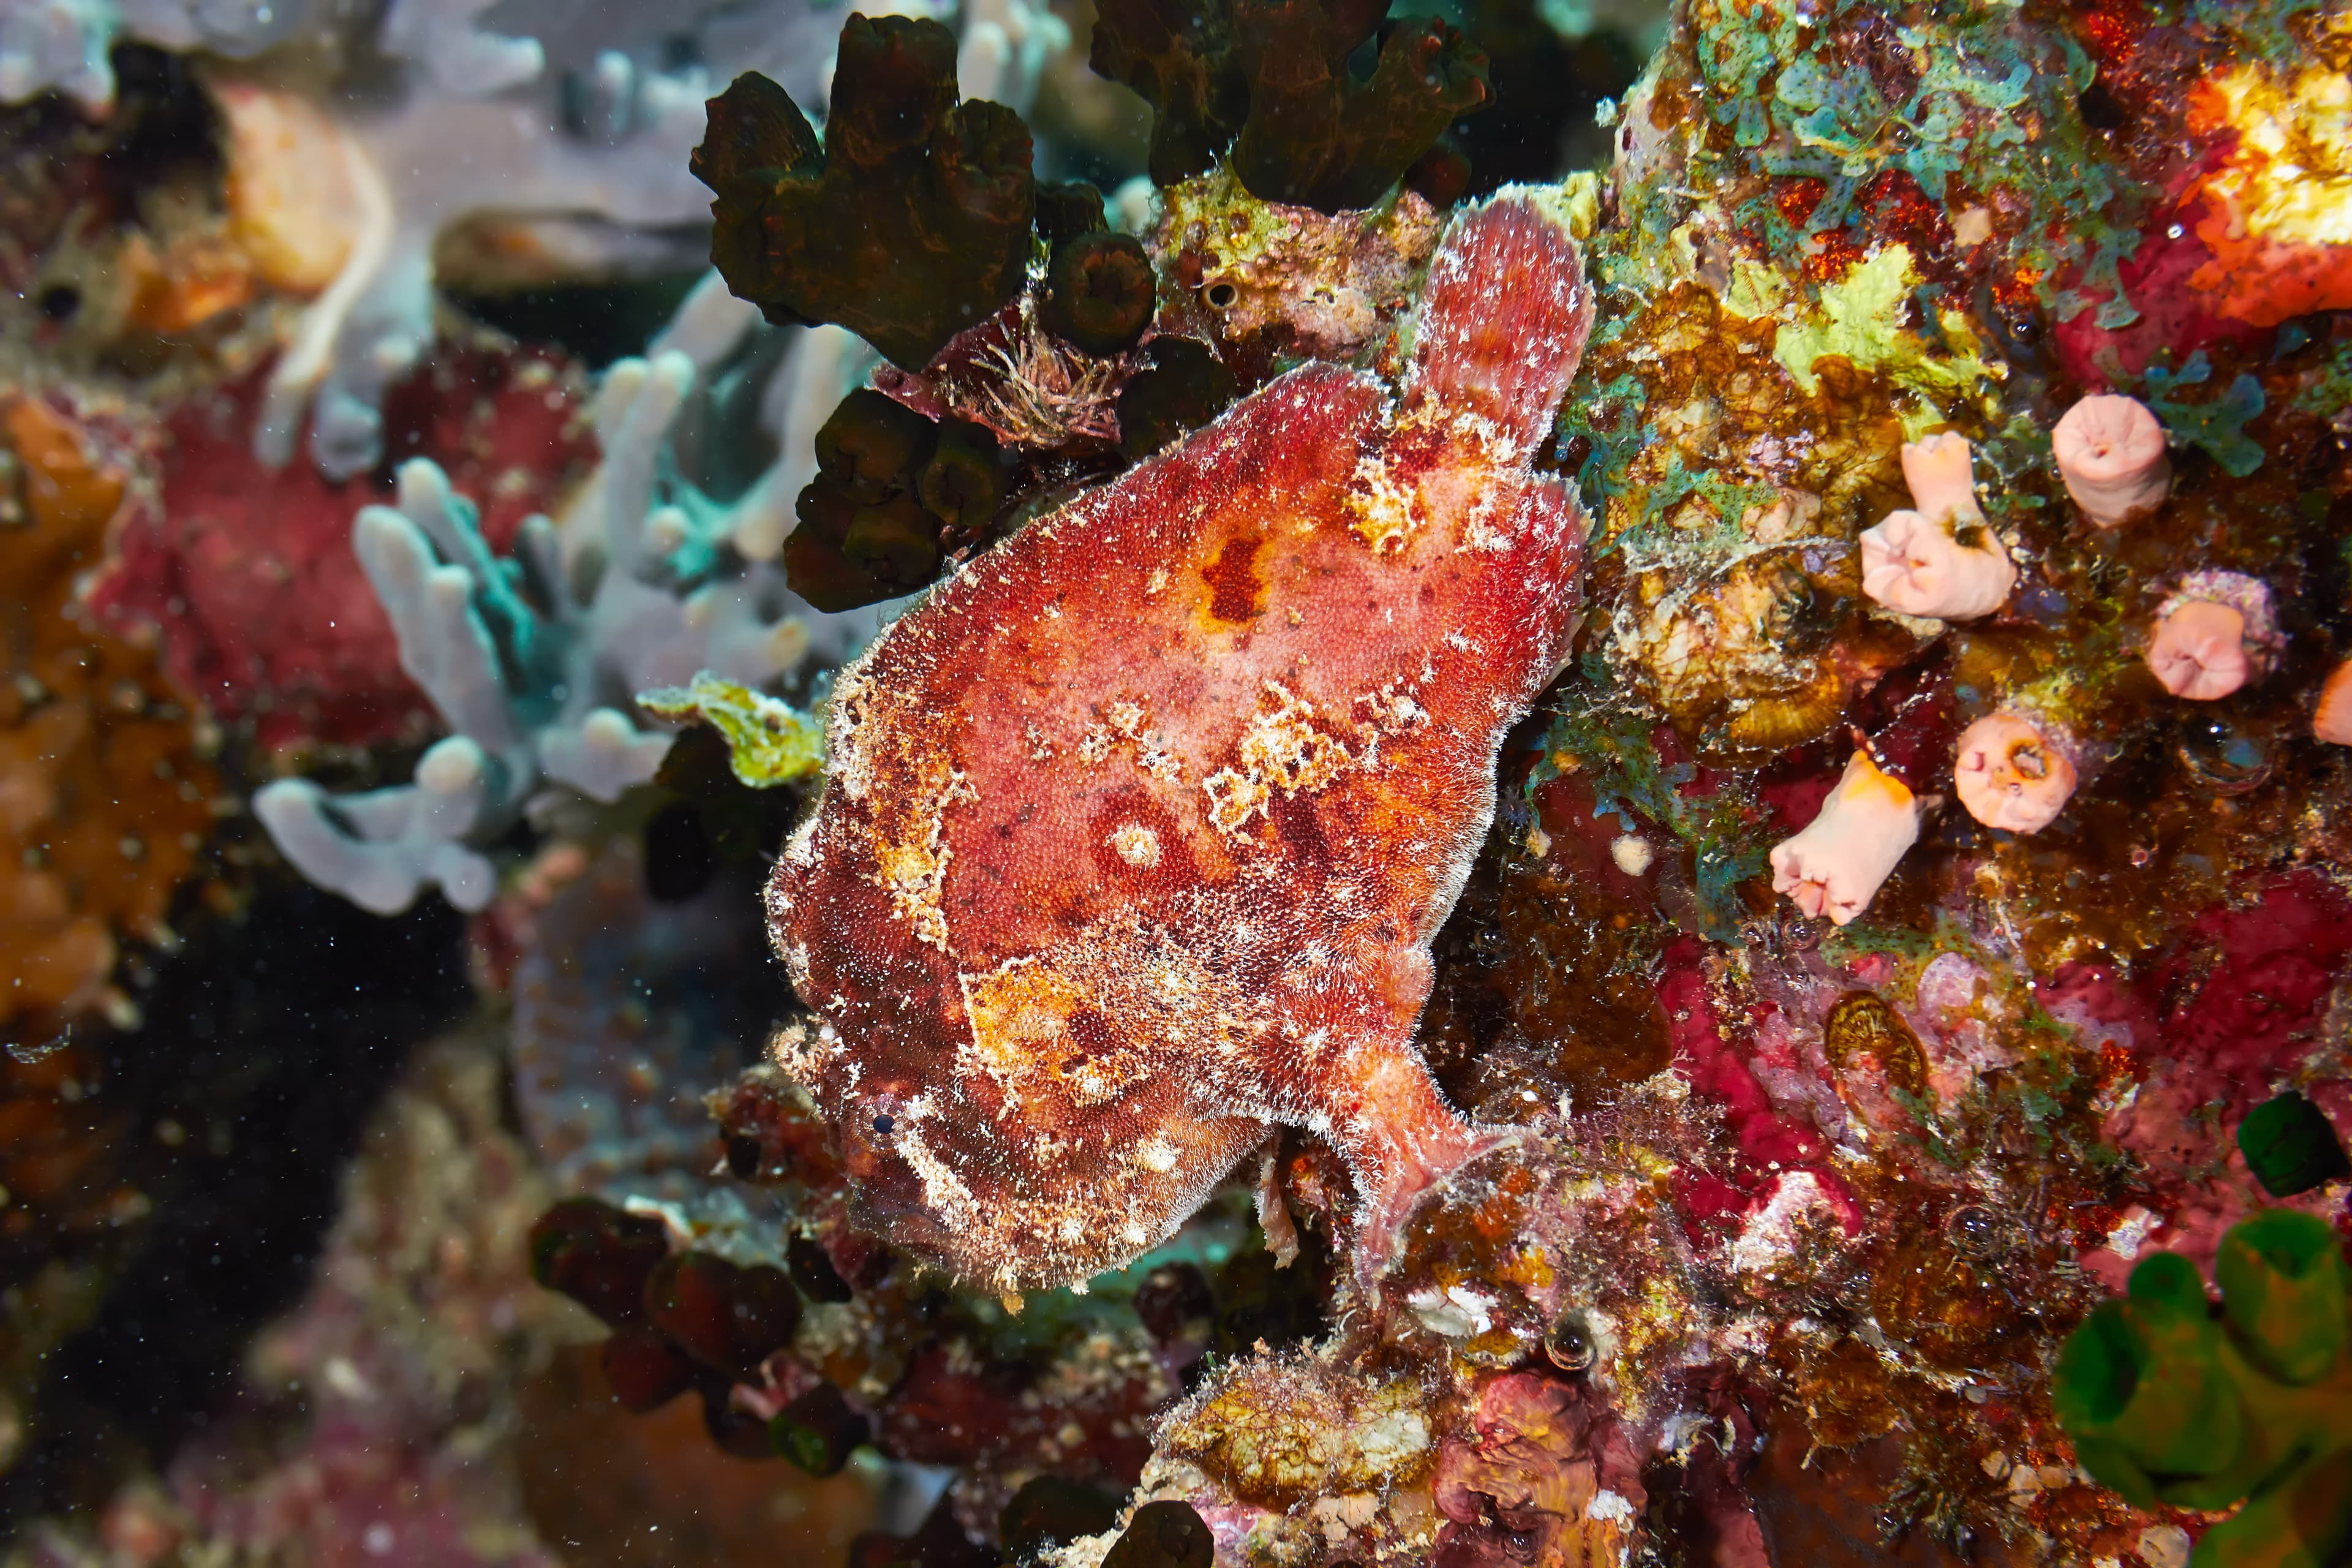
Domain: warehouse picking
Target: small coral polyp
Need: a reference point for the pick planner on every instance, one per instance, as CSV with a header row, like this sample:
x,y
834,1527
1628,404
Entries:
x,y
1286,650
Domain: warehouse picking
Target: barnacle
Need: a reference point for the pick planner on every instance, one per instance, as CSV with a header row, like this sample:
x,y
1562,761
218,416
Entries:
x,y
1036,390
1863,1025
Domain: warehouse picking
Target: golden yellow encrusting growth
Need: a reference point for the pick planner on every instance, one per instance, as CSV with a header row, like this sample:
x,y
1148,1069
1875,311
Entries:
x,y
103,796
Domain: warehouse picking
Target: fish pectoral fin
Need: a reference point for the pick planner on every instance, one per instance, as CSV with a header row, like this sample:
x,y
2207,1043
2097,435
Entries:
x,y
1400,1141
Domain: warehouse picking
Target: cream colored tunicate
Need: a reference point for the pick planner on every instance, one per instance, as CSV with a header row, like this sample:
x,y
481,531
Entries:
x,y
1838,863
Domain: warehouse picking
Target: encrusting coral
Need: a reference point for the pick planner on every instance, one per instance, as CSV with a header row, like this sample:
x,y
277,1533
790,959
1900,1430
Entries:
x,y
2272,207
1267,278
1129,1035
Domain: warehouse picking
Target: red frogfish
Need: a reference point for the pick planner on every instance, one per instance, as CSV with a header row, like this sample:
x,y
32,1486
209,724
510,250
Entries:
x,y
1136,833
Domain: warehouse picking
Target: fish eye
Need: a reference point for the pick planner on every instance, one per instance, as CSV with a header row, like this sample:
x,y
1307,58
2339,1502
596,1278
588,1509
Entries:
x,y
1220,295
883,1124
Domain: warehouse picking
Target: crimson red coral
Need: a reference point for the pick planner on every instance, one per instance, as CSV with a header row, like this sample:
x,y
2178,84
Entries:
x,y
248,572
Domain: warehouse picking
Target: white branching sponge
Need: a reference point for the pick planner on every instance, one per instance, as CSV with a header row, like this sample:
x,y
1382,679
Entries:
x,y
533,659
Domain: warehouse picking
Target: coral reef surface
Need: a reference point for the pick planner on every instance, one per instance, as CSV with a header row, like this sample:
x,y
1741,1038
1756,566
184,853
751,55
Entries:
x,y
1555,784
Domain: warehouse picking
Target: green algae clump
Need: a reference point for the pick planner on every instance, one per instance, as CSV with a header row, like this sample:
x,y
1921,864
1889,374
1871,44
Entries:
x,y
769,741
2167,1403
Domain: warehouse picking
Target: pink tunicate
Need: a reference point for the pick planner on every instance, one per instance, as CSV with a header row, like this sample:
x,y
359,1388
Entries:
x,y
2111,454
1836,865
2200,651
1953,568
2009,775
1941,473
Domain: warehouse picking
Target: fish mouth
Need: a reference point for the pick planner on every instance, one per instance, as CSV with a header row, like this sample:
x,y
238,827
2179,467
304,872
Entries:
x,y
889,1196
886,1209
